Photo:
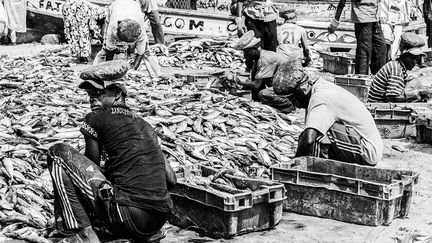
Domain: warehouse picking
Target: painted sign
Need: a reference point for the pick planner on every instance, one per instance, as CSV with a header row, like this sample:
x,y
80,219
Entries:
x,y
317,32
201,25
47,7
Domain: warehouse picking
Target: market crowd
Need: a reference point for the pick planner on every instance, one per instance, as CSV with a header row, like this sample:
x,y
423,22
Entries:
x,y
129,196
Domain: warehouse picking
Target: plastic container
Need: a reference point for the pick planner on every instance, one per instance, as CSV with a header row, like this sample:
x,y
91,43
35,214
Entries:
x,y
218,213
345,192
396,120
424,127
357,84
338,62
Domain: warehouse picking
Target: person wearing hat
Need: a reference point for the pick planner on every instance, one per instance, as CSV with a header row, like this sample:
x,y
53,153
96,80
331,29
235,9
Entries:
x,y
260,17
371,50
129,197
389,83
292,38
264,64
338,125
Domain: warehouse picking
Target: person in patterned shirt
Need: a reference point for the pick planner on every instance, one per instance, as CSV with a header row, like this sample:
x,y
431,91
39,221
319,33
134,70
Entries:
x,y
130,196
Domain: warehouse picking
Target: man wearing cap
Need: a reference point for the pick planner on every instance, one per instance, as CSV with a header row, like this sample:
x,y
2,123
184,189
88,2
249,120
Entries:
x,y
260,17
338,125
389,83
292,38
371,46
265,64
130,197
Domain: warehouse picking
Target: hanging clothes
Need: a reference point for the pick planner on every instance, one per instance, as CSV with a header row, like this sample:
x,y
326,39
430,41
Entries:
x,y
16,11
3,20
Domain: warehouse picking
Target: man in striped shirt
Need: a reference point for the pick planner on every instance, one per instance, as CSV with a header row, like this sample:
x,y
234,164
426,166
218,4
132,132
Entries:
x,y
390,81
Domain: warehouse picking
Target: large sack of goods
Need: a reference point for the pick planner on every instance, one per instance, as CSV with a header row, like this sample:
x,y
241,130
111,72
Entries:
x,y
105,71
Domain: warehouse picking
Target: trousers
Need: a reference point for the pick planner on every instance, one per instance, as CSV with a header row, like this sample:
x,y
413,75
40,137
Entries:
x,y
83,197
282,103
345,145
371,48
156,26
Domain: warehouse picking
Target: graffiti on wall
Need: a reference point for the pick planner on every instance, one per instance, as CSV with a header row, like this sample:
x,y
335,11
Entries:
x,y
322,35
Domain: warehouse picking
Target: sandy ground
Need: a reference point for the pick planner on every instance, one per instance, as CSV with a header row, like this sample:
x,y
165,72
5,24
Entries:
x,y
299,228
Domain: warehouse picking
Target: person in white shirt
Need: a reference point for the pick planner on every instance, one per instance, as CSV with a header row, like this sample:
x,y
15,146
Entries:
x,y
338,125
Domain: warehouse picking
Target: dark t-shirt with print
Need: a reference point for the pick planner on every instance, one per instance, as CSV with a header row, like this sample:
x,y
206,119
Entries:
x,y
135,163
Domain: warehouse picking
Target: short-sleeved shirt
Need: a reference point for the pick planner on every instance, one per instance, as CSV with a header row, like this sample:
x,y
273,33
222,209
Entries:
x,y
260,10
268,63
364,11
330,103
121,10
390,81
290,33
135,163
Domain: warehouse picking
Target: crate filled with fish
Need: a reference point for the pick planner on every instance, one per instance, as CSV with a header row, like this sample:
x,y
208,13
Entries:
x,y
346,192
220,202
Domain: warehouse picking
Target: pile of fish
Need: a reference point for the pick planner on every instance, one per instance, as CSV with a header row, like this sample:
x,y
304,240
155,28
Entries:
x,y
41,105
200,53
203,126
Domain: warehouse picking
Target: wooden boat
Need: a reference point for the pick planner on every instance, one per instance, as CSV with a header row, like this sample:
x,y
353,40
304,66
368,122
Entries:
x,y
45,16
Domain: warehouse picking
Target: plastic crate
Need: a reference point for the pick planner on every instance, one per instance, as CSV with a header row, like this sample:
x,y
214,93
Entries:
x,y
338,62
424,127
218,213
395,120
345,192
357,84
423,134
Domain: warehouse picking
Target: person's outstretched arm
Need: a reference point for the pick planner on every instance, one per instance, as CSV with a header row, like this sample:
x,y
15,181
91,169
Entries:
x,y
335,22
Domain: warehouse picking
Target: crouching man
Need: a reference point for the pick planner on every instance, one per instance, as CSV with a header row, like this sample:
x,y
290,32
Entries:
x,y
389,83
265,65
130,197
338,125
